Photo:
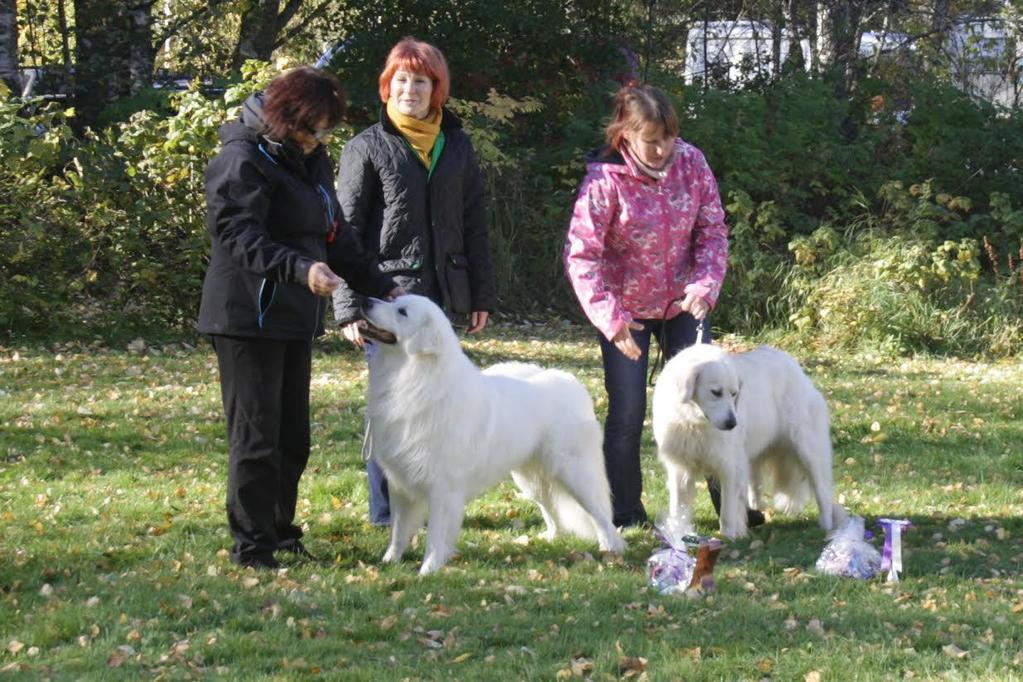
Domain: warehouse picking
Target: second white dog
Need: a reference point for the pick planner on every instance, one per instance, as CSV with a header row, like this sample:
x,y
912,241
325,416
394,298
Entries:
x,y
744,419
444,432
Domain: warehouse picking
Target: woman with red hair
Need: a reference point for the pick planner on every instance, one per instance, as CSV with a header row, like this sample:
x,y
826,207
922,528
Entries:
x,y
411,188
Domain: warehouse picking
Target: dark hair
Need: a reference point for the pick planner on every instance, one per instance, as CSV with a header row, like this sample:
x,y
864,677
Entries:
x,y
635,106
301,98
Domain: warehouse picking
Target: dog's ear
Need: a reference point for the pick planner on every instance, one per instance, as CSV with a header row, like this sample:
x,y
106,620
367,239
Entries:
x,y
687,384
426,341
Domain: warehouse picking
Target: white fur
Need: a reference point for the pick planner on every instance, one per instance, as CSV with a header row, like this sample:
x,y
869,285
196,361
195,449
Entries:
x,y
745,419
444,432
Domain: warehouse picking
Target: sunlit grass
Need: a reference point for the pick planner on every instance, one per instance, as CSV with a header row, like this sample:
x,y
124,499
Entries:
x,y
112,466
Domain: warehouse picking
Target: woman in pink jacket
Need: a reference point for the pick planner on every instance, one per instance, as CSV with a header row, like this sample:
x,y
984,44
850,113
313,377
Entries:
x,y
646,253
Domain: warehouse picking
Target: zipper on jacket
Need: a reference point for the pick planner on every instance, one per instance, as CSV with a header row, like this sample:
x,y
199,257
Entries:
x,y
264,311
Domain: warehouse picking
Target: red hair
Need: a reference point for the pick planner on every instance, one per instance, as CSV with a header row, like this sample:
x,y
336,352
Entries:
x,y
636,106
299,100
417,57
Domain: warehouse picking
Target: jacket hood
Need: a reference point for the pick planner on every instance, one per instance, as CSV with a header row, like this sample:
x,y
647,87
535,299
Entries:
x,y
249,125
614,161
604,154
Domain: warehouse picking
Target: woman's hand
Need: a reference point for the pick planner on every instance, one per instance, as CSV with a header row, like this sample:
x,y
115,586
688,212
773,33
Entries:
x,y
321,279
624,342
477,321
351,332
696,306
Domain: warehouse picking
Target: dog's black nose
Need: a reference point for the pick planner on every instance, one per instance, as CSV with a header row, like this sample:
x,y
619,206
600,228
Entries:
x,y
729,424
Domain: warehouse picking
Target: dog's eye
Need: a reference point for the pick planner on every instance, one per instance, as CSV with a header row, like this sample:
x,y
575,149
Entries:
x,y
402,312
716,393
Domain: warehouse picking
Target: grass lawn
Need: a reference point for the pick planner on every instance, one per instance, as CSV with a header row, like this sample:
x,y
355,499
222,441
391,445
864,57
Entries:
x,y
114,541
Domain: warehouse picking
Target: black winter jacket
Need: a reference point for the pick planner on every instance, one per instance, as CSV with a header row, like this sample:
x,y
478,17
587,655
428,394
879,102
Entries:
x,y
270,212
427,228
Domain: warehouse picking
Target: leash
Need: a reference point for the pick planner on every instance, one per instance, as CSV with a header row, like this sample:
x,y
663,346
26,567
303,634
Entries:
x,y
662,339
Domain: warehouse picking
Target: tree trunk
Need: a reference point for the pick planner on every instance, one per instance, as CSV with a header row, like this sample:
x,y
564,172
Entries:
x,y
65,35
940,25
103,55
9,70
142,51
838,37
260,23
794,61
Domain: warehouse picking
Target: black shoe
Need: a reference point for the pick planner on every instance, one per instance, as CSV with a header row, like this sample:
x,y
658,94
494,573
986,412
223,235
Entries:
x,y
260,562
754,517
295,546
629,521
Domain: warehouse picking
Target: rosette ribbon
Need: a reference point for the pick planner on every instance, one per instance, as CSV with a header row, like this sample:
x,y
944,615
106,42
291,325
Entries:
x,y
891,555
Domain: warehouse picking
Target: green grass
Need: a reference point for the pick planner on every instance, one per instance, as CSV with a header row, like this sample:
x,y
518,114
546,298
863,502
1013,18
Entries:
x,y
113,536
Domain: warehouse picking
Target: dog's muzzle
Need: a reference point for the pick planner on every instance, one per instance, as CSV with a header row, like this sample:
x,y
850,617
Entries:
x,y
370,331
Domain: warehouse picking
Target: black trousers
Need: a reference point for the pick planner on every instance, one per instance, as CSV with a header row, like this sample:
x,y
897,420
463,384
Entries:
x,y
625,381
265,388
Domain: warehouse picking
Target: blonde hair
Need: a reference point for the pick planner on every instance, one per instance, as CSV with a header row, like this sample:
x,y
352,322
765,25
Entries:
x,y
636,106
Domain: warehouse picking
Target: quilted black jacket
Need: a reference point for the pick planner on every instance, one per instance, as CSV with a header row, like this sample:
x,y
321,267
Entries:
x,y
269,213
428,229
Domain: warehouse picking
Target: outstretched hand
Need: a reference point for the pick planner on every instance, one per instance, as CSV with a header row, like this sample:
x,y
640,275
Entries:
x,y
321,279
624,342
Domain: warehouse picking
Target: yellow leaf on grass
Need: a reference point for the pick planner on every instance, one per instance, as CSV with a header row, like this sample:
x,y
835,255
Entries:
x,y
460,658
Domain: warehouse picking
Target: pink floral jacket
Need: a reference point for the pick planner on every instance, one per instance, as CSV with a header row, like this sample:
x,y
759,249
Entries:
x,y
636,246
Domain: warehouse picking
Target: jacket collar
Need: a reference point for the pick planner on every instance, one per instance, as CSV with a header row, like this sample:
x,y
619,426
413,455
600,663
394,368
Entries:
x,y
613,161
448,121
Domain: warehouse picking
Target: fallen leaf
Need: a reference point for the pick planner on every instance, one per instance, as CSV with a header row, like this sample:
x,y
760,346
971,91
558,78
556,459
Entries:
x,y
952,651
580,666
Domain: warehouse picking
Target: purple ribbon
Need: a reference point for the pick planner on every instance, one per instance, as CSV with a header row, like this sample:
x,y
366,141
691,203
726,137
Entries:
x,y
891,555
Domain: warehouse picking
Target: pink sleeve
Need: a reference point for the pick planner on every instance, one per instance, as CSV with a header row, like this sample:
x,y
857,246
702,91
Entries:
x,y
710,238
584,256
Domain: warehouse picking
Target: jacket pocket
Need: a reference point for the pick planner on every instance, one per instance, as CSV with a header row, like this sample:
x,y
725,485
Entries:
x,y
456,267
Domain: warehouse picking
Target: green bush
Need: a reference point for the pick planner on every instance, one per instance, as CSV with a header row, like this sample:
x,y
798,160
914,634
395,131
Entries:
x,y
899,286
106,233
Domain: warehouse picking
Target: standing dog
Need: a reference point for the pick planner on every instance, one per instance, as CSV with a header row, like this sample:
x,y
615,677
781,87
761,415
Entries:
x,y
743,419
443,432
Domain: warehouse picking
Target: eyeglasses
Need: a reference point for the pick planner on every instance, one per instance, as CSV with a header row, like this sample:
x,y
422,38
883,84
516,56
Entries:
x,y
321,134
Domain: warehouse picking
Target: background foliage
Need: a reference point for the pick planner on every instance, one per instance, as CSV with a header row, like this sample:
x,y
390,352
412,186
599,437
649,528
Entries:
x,y
871,202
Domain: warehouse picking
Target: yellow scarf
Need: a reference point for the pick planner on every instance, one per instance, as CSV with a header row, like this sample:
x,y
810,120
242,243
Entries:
x,y
420,133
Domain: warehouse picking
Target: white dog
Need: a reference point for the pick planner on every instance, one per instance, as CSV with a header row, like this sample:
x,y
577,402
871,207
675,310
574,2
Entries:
x,y
443,432
744,419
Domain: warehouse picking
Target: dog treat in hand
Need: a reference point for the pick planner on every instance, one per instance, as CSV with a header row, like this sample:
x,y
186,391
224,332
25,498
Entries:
x,y
891,560
848,554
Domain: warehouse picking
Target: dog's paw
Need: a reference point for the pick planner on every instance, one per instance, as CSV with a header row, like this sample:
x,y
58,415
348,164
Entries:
x,y
614,545
429,567
391,556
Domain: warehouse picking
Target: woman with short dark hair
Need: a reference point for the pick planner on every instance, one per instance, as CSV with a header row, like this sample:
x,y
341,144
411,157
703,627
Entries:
x,y
277,240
